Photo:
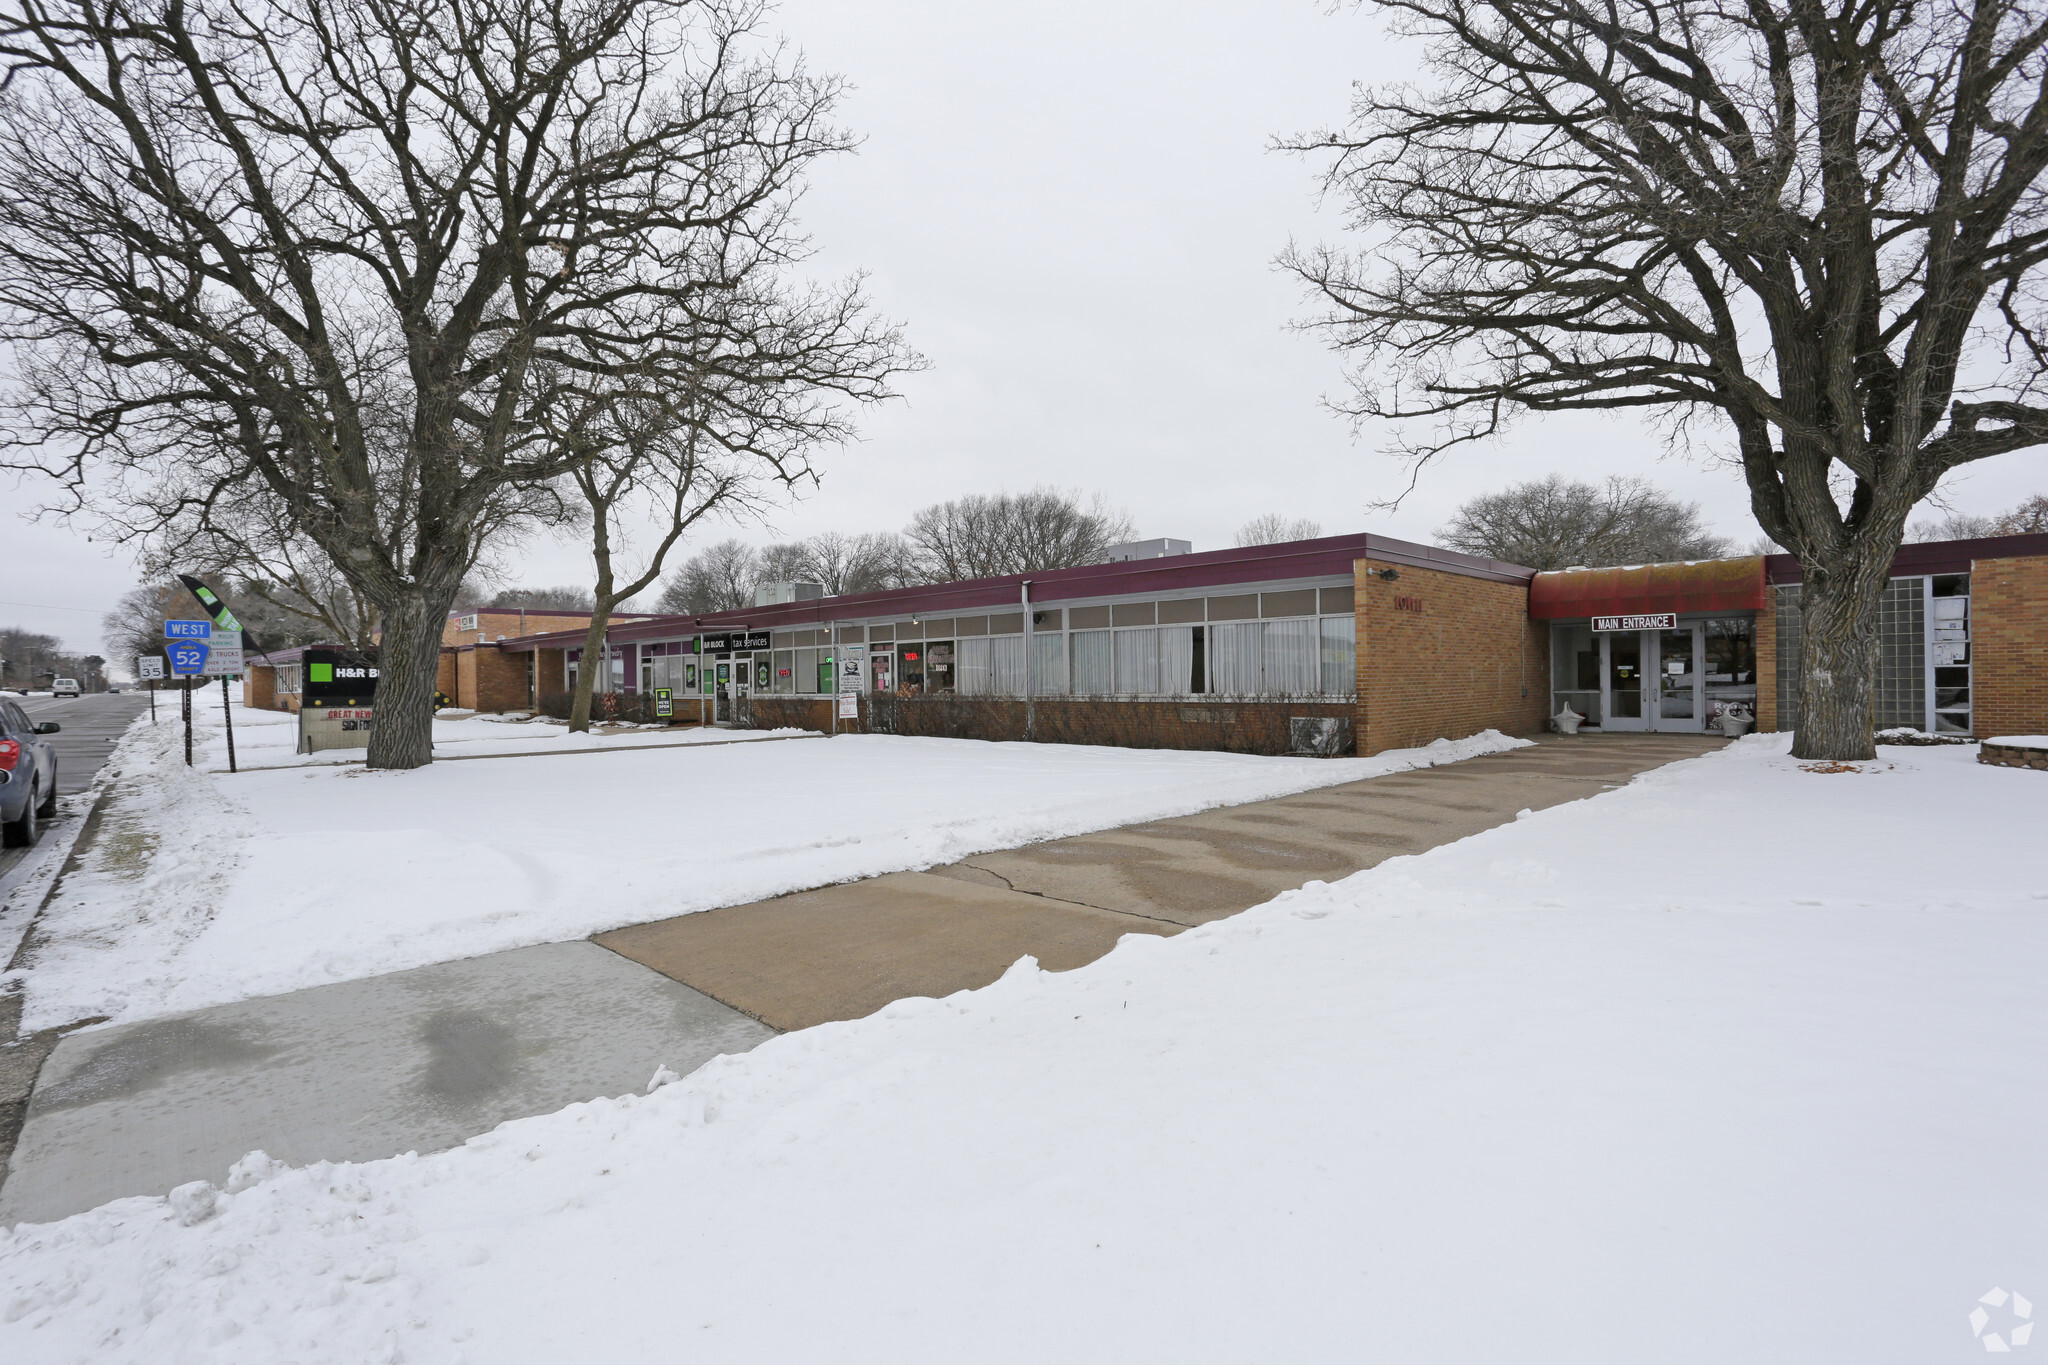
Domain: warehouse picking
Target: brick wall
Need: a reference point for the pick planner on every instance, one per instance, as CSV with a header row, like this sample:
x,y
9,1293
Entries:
x,y
1442,655
1243,727
446,680
499,681
2009,646
259,687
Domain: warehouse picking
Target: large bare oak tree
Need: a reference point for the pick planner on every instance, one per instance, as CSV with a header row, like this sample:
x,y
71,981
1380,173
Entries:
x,y
238,236
1820,224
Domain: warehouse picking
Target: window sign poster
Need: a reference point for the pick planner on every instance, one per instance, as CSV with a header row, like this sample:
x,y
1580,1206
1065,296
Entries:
x,y
664,702
849,706
850,674
690,676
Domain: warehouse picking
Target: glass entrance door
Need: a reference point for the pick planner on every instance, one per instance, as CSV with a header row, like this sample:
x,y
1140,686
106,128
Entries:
x,y
1621,675
1678,679
1651,679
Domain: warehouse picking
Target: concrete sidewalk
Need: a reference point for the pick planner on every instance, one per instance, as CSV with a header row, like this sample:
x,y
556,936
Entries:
x,y
425,1059
412,1061
842,952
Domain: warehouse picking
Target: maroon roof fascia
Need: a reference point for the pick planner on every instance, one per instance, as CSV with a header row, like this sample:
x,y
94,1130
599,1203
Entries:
x,y
1324,557
1928,556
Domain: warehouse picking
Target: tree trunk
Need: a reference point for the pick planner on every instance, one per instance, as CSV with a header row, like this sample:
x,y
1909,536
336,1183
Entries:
x,y
408,667
1838,660
594,648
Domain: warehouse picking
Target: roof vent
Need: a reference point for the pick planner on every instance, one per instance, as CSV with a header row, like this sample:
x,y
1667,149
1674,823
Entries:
x,y
1160,548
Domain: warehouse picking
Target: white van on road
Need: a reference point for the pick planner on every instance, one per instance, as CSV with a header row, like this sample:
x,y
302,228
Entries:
x,y
64,687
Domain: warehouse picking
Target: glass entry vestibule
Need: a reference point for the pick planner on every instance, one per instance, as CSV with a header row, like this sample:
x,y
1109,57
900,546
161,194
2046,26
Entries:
x,y
1656,675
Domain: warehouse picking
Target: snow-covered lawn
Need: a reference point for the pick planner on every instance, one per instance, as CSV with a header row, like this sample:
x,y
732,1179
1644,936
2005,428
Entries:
x,y
204,888
268,739
1736,1063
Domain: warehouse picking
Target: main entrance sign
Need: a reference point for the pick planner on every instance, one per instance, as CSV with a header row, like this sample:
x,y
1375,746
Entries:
x,y
1662,621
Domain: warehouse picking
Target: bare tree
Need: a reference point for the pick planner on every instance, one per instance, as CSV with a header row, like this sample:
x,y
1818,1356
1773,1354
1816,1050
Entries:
x,y
240,242
869,562
2030,517
134,629
655,456
719,577
984,536
564,598
1274,529
1817,226
1555,523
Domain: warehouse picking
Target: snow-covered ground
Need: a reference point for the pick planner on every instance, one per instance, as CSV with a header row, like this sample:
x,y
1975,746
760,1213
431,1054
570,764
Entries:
x,y
268,739
1737,1063
204,888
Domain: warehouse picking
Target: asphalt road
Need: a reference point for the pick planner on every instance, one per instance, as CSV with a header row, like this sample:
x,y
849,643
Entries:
x,y
91,725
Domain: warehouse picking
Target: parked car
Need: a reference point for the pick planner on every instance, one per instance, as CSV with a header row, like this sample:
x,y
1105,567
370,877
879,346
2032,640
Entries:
x,y
28,775
64,687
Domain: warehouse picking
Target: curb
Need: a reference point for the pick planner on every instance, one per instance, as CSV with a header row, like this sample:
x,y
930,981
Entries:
x,y
88,831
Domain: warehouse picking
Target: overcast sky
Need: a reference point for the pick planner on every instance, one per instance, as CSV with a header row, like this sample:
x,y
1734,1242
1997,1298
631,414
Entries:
x,y
1074,211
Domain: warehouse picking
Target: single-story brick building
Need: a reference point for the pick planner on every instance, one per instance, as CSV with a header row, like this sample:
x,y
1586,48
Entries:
x,y
1376,643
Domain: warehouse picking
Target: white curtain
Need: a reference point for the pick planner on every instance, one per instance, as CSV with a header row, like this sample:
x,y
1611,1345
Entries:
x,y
1176,659
1340,656
1006,665
973,668
1050,671
1091,663
1293,662
1234,658
1137,660
807,670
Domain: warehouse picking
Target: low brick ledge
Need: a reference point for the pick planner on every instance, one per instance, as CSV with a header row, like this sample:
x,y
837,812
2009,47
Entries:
x,y
2014,756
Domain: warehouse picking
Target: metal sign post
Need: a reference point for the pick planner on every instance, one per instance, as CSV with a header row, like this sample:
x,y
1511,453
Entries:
x,y
150,670
228,712
188,660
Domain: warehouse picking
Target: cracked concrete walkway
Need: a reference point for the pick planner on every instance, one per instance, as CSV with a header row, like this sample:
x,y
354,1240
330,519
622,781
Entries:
x,y
842,952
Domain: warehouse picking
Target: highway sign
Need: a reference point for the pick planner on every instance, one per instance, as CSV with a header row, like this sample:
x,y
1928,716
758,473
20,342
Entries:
x,y
223,662
188,658
188,630
151,667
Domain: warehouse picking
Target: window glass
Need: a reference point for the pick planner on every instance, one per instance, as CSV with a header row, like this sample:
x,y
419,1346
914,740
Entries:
x,y
1187,609
785,670
1133,614
938,666
1340,655
1087,618
1010,623
1137,660
1091,662
1299,602
1234,658
1242,608
1050,663
1337,600
1575,671
974,679
1006,665
1292,659
971,625
1731,666
852,635
1052,619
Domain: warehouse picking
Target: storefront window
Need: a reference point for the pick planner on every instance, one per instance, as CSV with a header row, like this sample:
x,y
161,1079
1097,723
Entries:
x,y
1731,666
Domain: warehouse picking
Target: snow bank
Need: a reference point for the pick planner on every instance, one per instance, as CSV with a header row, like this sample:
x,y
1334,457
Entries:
x,y
208,888
1739,1062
